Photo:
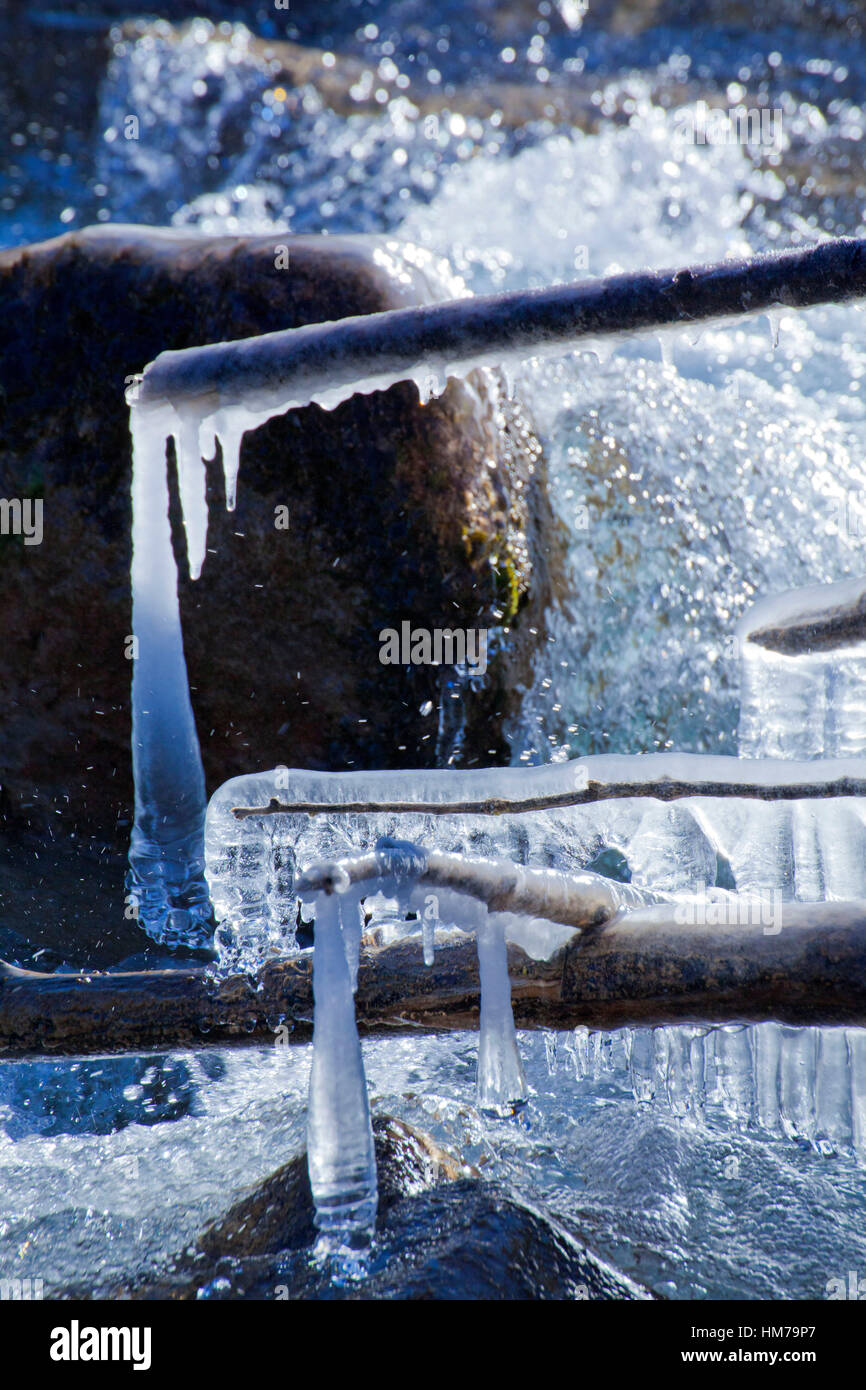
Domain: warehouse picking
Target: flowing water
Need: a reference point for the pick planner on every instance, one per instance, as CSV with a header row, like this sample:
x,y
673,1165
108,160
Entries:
x,y
693,477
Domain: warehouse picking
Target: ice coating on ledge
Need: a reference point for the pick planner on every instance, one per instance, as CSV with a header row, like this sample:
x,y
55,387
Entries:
x,y
807,850
803,674
326,363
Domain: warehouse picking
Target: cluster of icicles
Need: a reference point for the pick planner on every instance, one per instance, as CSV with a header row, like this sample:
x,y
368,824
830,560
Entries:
x,y
166,878
340,1151
205,399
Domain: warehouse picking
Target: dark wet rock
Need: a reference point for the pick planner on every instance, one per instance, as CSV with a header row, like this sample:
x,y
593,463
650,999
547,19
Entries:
x,y
396,511
442,1233
278,1214
62,900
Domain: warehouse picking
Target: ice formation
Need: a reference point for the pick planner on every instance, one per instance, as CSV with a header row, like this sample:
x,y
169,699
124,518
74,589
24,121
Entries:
x,y
166,857
802,849
201,396
340,1151
397,867
810,703
500,1082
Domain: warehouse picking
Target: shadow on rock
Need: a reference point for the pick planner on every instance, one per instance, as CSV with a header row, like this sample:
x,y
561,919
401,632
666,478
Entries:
x,y
443,1233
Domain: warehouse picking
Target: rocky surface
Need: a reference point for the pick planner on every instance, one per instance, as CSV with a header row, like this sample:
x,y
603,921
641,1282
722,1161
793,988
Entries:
x,y
442,1233
395,511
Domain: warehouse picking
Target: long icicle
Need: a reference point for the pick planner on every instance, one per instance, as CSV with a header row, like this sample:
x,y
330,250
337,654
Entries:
x,y
340,1151
166,877
500,1083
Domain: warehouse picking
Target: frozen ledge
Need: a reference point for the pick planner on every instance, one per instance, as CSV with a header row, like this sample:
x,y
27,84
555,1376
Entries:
x,y
643,967
818,618
514,790
326,363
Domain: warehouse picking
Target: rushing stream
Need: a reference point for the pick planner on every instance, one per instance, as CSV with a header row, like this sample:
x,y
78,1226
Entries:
x,y
692,477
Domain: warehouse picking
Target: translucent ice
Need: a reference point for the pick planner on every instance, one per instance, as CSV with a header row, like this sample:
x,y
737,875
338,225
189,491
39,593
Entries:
x,y
500,1082
166,878
340,1151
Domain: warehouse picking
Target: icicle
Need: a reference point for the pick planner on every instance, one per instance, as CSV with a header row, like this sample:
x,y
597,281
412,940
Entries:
x,y
352,924
775,319
428,937
642,1064
340,1152
230,438
667,351
500,1083
208,440
166,855
192,483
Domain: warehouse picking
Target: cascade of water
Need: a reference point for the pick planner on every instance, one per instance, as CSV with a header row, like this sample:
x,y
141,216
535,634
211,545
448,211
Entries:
x,y
340,1150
